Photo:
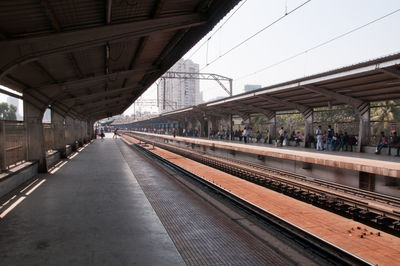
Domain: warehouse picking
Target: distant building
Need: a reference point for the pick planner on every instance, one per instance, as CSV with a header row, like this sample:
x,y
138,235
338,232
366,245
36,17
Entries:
x,y
250,87
179,93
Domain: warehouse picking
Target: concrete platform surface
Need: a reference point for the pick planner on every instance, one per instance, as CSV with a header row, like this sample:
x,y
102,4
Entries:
x,y
91,211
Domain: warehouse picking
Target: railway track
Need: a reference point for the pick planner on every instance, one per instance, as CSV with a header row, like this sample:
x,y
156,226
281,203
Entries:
x,y
332,253
376,210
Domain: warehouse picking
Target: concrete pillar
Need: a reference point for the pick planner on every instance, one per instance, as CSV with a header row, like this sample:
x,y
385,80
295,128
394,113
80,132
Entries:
x,y
81,132
203,127
90,130
35,138
78,132
193,121
69,130
309,131
272,129
364,130
57,122
85,132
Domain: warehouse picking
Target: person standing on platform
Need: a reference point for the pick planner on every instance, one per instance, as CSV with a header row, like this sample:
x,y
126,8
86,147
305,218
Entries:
x,y
281,136
395,143
102,133
115,133
331,133
174,132
318,133
245,135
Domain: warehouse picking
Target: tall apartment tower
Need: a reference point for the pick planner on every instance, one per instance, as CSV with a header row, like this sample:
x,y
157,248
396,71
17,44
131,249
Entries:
x,y
179,93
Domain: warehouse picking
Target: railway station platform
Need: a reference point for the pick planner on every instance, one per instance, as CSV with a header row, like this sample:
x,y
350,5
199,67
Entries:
x,y
366,242
107,205
357,162
91,211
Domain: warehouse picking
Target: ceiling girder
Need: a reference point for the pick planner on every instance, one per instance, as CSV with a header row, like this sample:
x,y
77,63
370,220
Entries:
x,y
96,95
392,72
69,85
82,39
337,96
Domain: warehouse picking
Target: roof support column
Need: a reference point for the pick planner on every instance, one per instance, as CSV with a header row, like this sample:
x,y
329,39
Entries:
x,y
203,127
90,130
309,131
33,116
193,121
271,127
82,125
364,129
78,132
69,131
57,122
212,125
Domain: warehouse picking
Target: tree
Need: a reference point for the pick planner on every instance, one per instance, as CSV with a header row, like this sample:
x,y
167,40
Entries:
x,y
8,111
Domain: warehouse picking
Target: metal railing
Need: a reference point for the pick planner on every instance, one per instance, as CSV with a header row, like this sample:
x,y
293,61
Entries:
x,y
13,143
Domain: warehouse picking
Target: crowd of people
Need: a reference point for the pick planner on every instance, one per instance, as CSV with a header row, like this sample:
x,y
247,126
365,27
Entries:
x,y
321,140
329,140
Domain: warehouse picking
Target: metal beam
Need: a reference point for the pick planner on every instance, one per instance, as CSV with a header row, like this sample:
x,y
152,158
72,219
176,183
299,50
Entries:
x,y
392,72
358,105
109,108
268,113
95,95
108,11
107,46
304,109
143,41
83,39
69,85
337,96
45,71
199,76
50,14
283,102
75,66
84,106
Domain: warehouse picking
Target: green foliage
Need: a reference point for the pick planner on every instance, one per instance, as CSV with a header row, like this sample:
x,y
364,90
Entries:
x,y
384,115
385,111
8,111
335,114
290,122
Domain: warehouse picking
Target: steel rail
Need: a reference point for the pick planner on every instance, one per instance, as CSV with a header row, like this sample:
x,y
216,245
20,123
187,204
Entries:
x,y
326,249
344,205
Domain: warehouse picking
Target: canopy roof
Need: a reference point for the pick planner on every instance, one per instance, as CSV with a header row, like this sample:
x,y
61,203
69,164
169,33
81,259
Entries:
x,y
92,59
355,85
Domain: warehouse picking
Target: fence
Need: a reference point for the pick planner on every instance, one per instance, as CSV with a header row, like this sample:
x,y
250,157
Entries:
x,y
13,144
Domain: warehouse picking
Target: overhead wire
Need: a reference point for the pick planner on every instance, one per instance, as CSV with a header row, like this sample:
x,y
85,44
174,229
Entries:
x,y
318,45
257,33
220,27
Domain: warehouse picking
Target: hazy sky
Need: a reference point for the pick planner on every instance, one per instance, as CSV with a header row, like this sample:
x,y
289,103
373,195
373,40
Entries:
x,y
316,22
